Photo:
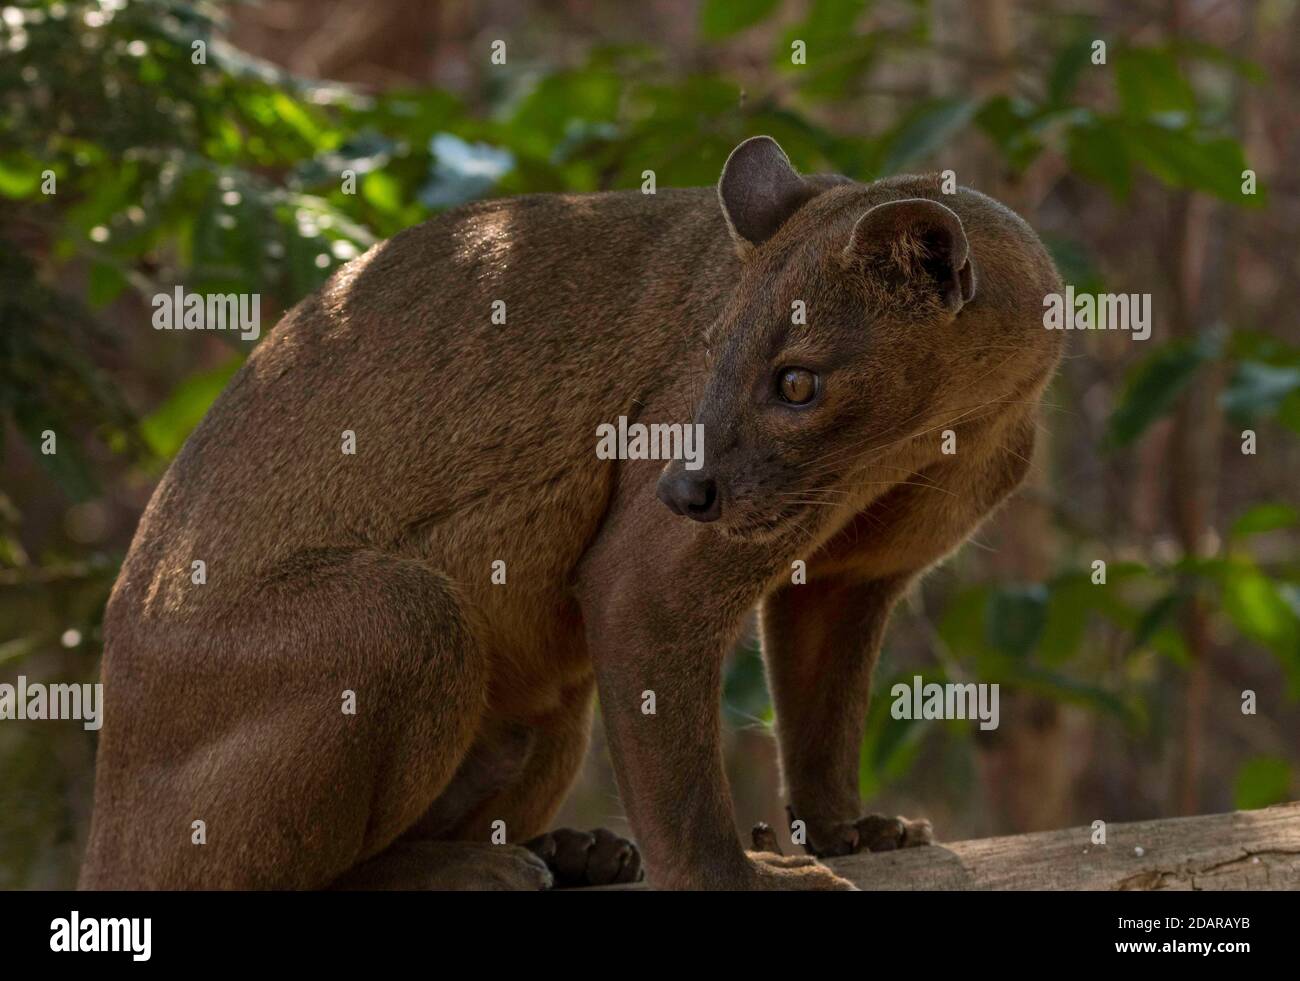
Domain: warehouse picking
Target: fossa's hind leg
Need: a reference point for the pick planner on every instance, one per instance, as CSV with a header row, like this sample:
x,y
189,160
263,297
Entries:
x,y
234,713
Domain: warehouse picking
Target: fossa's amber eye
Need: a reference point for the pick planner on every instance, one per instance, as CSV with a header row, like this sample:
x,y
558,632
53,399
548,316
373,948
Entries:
x,y
797,386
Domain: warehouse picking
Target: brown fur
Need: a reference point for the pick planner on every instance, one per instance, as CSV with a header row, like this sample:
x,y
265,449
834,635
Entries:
x,y
476,442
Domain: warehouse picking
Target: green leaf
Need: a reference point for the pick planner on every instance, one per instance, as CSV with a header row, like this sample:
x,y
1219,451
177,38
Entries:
x,y
1068,608
1063,688
20,647
1258,389
168,426
1153,387
1074,599
1265,517
364,153
838,53
1096,151
297,118
383,191
544,120
106,281
924,130
1016,618
1256,345
1183,158
1256,608
1014,125
1075,263
1250,70
1288,413
889,746
721,18
1261,613
828,21
19,177
1069,65
1154,617
1150,81
962,626
68,467
1261,782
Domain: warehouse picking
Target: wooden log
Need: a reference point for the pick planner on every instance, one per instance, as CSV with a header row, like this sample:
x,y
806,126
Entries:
x,y
1241,850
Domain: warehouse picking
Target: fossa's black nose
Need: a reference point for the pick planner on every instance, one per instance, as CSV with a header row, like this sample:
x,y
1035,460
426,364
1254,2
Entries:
x,y
691,495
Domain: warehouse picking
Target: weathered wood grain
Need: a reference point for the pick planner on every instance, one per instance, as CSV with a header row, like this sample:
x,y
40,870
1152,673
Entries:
x,y
1241,850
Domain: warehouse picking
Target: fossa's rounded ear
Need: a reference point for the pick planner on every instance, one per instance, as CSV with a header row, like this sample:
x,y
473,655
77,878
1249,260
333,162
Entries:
x,y
919,237
759,191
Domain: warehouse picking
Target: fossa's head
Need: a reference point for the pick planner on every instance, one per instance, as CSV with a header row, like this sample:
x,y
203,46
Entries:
x,y
864,319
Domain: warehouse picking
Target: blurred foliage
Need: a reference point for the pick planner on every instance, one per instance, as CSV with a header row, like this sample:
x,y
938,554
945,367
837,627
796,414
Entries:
x,y
1263,781
227,174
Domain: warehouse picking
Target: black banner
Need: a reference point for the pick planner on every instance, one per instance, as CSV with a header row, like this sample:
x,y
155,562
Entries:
x,y
171,931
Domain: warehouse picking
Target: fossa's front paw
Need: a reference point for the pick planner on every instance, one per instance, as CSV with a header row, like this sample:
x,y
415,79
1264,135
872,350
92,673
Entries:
x,y
878,833
872,833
